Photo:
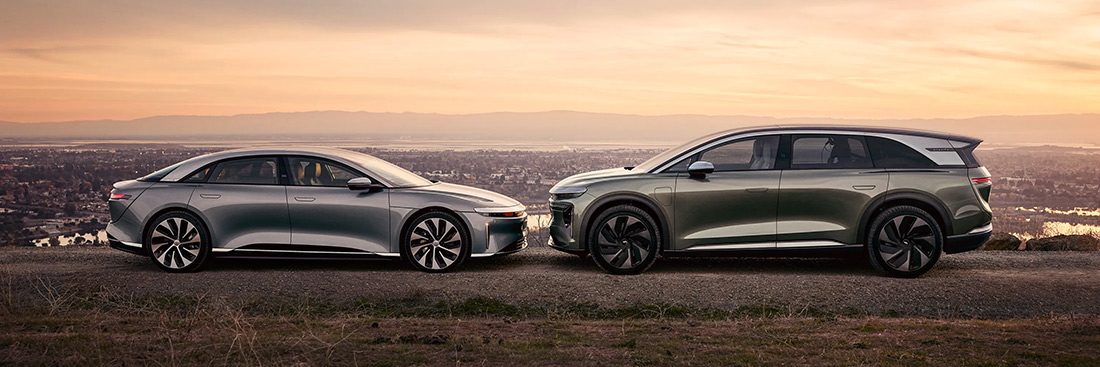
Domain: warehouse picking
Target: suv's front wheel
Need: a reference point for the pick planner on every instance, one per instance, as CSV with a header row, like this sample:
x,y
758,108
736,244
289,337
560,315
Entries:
x,y
624,240
904,242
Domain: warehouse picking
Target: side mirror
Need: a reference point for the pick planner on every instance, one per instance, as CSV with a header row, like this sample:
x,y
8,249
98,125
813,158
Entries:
x,y
700,169
363,183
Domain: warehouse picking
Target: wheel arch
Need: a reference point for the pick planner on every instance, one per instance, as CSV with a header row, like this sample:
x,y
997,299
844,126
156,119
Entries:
x,y
610,200
149,222
917,199
406,222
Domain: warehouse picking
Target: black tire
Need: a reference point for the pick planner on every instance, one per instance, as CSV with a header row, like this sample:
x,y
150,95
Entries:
x,y
434,247
178,242
626,235
904,242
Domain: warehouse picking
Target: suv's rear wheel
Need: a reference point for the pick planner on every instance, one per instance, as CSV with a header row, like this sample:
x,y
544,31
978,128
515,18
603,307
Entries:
x,y
624,240
904,242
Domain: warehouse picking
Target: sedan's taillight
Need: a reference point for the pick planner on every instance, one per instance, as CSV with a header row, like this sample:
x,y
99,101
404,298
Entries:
x,y
117,196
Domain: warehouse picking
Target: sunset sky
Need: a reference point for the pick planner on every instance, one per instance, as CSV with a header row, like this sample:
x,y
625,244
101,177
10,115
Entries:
x,y
75,60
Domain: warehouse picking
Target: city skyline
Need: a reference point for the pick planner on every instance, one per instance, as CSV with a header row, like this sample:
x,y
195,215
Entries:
x,y
66,61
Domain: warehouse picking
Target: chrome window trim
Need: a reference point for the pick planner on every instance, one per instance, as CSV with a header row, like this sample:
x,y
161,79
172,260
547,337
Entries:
x,y
917,143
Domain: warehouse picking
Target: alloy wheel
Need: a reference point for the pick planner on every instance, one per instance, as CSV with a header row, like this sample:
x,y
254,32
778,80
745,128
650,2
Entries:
x,y
624,241
175,243
906,243
435,243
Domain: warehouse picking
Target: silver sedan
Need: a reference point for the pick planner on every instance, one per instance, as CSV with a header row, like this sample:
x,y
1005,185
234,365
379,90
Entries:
x,y
307,203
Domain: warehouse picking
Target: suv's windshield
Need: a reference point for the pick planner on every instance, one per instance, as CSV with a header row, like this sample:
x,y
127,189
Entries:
x,y
659,159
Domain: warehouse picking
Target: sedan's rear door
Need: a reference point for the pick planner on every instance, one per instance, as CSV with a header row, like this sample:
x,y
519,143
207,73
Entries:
x,y
243,202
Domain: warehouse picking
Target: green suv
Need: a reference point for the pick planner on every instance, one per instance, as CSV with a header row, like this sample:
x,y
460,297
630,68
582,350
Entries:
x,y
902,197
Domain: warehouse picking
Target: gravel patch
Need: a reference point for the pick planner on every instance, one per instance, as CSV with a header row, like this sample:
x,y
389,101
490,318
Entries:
x,y
974,284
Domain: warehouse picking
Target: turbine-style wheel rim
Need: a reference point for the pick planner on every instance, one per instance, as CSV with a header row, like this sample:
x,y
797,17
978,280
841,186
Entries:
x,y
624,241
906,243
175,243
435,243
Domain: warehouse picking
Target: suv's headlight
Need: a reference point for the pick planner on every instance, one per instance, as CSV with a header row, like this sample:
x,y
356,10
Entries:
x,y
568,192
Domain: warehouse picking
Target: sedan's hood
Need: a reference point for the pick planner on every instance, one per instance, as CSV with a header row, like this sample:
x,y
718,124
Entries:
x,y
588,177
482,197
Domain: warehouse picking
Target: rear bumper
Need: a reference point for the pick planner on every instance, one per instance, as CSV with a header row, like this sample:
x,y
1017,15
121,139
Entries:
x,y
133,248
968,241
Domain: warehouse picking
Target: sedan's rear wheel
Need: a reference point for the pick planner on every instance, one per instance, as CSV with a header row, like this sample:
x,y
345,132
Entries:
x,y
177,242
624,240
436,242
904,242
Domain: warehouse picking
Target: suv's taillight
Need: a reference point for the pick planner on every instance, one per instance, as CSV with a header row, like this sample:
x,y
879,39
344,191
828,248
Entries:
x,y
983,185
117,196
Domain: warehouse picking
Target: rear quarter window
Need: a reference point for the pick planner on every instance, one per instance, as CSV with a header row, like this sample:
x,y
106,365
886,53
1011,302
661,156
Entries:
x,y
888,153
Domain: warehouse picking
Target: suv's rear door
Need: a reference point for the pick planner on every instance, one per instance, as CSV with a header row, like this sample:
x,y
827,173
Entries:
x,y
829,184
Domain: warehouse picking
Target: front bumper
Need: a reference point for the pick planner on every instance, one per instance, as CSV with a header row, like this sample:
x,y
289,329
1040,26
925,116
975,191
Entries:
x,y
496,235
968,241
565,217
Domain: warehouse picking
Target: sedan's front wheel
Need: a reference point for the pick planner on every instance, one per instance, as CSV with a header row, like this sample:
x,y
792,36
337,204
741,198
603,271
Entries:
x,y
178,242
436,242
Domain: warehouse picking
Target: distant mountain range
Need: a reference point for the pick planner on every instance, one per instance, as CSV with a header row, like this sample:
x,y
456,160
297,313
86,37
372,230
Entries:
x,y
562,126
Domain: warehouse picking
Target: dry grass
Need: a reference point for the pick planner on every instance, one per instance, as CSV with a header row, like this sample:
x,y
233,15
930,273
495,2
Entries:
x,y
55,326
231,338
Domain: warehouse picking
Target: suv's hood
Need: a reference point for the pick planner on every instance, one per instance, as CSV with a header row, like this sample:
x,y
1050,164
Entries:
x,y
588,177
485,197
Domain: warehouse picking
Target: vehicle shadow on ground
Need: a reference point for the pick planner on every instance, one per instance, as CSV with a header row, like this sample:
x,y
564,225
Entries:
x,y
561,262
732,265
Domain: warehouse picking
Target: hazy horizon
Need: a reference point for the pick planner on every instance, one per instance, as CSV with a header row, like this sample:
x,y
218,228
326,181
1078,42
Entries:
x,y
534,128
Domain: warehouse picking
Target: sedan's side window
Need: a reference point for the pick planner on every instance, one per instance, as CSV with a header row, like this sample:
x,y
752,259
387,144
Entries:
x,y
254,171
316,172
829,151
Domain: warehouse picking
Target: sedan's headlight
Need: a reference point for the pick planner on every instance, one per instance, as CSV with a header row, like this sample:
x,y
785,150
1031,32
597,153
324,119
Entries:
x,y
507,212
568,192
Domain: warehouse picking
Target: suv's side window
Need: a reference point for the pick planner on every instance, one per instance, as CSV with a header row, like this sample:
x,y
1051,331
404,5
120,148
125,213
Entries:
x,y
305,171
888,153
829,151
756,153
255,171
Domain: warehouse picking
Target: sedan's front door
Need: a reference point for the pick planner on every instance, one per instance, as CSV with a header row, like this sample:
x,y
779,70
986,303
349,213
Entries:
x,y
327,216
243,202
734,207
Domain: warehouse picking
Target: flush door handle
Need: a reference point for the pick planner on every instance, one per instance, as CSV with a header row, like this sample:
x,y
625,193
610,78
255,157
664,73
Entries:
x,y
304,199
209,196
864,187
757,189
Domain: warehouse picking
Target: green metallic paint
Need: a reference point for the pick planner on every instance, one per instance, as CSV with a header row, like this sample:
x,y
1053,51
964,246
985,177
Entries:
x,y
825,204
725,208
831,205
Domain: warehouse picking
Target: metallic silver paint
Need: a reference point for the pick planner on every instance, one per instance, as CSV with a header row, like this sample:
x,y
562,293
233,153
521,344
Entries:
x,y
370,221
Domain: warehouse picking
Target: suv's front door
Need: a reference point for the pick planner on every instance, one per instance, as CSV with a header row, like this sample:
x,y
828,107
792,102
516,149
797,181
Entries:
x,y
830,184
327,216
734,207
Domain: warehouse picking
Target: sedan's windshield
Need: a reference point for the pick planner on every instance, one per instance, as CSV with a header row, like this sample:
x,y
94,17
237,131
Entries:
x,y
387,171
